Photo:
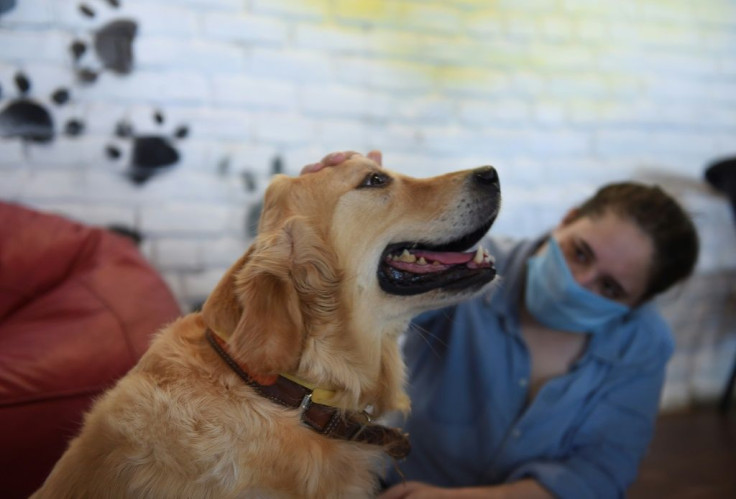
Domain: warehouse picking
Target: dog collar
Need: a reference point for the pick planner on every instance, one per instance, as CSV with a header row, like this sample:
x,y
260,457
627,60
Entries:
x,y
321,418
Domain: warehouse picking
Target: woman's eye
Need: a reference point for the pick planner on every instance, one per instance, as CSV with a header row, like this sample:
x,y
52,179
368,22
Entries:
x,y
375,179
580,255
611,290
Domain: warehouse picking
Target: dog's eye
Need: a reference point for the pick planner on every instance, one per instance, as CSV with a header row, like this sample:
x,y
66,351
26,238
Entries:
x,y
375,179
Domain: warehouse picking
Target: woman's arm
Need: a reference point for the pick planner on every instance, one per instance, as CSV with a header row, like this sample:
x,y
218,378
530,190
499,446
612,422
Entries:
x,y
527,488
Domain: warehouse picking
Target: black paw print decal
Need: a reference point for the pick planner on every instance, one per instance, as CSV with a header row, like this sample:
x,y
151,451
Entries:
x,y
113,46
29,120
151,154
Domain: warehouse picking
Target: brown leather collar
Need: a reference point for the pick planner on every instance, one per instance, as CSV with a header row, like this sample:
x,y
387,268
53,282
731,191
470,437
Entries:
x,y
324,419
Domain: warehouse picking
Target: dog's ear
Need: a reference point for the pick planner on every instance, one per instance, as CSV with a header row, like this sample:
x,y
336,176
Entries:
x,y
272,296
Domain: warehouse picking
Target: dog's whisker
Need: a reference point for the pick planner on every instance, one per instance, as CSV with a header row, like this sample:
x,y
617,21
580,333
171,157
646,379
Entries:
x,y
426,335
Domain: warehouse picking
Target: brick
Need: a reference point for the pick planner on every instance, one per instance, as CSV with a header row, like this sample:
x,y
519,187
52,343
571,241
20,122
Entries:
x,y
369,13
622,143
603,10
291,9
67,152
386,75
563,56
292,65
557,28
11,153
224,123
284,128
92,214
69,15
244,28
715,13
180,218
254,158
408,139
471,81
592,29
224,251
176,86
334,39
39,46
340,134
107,186
421,109
13,183
527,5
521,27
587,85
460,52
674,11
439,19
486,24
198,285
34,13
159,19
560,143
205,56
48,185
549,113
490,113
225,5
178,253
527,83
719,39
342,101
254,92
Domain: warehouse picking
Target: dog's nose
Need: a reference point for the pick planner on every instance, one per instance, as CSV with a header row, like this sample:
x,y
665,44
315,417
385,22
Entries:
x,y
486,176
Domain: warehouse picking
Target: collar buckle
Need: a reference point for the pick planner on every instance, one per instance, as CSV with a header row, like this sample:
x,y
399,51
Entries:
x,y
305,403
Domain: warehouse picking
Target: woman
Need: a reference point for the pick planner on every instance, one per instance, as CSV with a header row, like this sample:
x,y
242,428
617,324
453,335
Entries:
x,y
548,385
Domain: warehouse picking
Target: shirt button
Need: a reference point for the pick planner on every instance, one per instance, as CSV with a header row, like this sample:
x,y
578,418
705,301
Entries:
x,y
523,382
516,433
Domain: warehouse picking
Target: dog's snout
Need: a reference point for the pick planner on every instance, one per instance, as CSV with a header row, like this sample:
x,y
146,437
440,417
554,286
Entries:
x,y
486,176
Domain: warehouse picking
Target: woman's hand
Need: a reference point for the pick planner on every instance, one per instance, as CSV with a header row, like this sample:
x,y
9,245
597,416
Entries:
x,y
335,158
417,490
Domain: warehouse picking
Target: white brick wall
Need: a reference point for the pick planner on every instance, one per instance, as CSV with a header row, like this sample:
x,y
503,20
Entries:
x,y
559,95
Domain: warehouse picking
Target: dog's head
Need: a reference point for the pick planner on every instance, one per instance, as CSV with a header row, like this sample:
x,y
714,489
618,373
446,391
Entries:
x,y
343,259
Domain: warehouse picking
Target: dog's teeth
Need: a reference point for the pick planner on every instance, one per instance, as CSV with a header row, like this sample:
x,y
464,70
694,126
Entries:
x,y
407,257
422,261
479,255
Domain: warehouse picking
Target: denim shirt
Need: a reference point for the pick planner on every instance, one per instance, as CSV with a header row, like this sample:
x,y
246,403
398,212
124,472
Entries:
x,y
584,433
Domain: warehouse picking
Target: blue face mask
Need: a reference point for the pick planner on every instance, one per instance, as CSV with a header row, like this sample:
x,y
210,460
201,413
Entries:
x,y
555,298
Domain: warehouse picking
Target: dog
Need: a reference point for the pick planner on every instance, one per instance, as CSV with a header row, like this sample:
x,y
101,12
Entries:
x,y
270,390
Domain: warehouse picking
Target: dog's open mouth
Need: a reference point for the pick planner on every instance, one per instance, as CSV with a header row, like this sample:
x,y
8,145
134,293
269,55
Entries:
x,y
415,268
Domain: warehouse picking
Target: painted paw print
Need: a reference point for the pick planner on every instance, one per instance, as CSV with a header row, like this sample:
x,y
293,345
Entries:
x,y
30,120
150,154
113,46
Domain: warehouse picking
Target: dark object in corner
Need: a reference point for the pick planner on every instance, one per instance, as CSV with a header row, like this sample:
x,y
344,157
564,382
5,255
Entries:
x,y
722,176
6,6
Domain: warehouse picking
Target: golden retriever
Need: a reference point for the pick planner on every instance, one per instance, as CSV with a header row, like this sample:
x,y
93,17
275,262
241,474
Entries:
x,y
343,259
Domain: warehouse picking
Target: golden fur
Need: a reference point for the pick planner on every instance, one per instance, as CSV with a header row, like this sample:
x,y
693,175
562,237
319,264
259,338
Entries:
x,y
304,300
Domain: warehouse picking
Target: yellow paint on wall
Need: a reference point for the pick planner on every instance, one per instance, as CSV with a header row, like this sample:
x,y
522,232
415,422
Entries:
x,y
396,26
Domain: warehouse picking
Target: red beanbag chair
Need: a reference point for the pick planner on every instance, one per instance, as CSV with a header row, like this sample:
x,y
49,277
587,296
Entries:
x,y
78,307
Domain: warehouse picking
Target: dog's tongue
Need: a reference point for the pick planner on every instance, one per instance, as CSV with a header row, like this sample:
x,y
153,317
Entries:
x,y
425,262
446,258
